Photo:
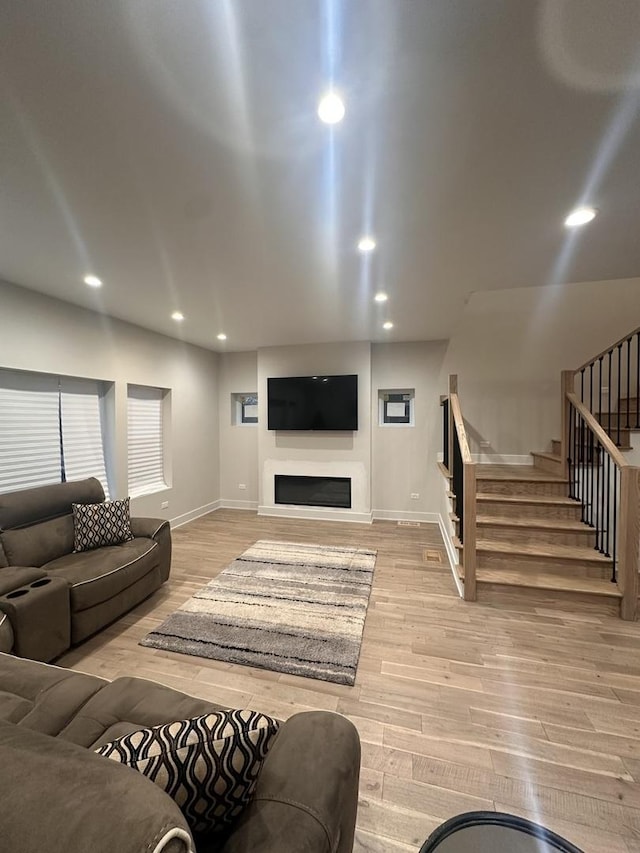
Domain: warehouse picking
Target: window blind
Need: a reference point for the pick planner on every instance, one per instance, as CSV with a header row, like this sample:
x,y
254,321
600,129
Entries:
x,y
82,431
145,440
30,453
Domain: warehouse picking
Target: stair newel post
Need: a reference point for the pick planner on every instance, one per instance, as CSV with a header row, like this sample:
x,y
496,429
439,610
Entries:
x,y
453,389
567,387
629,541
469,521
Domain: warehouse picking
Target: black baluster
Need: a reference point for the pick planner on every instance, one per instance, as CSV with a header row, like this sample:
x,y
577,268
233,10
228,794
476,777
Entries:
x,y
582,385
600,392
581,472
445,433
597,498
570,451
591,387
637,380
609,393
607,552
628,380
614,526
619,378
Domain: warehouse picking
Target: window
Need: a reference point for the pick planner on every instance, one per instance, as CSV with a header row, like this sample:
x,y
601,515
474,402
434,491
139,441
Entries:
x,y
145,439
81,423
30,451
51,430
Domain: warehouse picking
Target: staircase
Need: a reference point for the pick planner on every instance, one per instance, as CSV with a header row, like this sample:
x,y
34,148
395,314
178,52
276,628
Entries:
x,y
567,527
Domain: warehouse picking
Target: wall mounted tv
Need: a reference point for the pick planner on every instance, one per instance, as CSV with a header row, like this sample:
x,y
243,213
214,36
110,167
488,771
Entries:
x,y
313,403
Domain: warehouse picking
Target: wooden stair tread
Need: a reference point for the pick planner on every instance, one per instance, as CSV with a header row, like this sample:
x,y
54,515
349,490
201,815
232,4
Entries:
x,y
524,473
444,470
543,550
556,583
537,523
551,500
544,454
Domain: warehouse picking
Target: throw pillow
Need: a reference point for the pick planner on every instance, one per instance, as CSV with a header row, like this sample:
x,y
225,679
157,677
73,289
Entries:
x,y
209,765
96,525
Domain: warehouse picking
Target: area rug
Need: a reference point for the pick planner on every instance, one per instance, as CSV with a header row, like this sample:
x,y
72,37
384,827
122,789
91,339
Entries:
x,y
284,606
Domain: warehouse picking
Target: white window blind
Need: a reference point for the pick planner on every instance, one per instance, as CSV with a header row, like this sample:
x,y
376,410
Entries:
x,y
82,430
30,452
145,440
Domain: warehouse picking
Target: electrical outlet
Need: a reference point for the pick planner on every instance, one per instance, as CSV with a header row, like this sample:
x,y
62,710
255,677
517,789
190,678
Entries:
x,y
164,505
415,496
242,485
485,444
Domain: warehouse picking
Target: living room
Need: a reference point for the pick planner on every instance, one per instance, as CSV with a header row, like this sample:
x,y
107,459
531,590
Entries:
x,y
519,704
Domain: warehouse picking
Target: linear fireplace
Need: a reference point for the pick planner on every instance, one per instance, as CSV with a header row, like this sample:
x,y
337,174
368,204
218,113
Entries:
x,y
313,491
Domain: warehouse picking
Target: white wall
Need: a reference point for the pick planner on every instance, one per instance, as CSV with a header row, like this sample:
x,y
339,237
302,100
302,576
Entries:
x,y
238,443
38,333
346,454
403,457
510,345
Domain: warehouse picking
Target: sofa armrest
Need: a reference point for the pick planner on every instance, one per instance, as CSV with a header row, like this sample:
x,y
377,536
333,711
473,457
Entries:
x,y
307,793
159,530
13,577
62,798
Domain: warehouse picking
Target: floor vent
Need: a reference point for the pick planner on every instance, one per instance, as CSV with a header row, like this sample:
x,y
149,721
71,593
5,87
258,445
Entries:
x,y
408,524
431,556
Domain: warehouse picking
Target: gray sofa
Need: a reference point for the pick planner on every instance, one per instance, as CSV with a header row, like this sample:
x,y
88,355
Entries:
x,y
51,597
60,796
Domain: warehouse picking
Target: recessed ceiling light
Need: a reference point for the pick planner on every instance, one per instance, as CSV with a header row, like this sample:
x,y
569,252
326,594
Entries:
x,y
580,216
366,244
178,316
222,336
387,325
92,281
381,297
331,108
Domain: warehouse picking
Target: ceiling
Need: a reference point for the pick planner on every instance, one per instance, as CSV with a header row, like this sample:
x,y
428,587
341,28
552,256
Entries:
x,y
173,149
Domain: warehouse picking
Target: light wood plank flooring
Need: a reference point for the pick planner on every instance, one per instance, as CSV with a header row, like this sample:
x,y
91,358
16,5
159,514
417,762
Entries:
x,y
515,705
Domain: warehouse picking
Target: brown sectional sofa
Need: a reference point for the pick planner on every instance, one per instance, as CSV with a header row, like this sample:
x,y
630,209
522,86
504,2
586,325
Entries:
x,y
51,597
58,795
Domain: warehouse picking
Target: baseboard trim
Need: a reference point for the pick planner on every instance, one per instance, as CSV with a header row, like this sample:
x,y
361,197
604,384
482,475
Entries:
x,y
404,515
502,458
186,517
231,504
317,513
452,554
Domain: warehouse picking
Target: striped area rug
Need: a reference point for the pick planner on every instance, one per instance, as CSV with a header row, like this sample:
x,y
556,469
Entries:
x,y
283,606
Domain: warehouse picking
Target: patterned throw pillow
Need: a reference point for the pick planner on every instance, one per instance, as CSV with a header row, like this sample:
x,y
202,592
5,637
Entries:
x,y
95,525
209,765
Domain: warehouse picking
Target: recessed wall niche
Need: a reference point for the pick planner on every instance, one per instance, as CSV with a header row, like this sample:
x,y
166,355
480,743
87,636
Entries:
x,y
396,407
244,409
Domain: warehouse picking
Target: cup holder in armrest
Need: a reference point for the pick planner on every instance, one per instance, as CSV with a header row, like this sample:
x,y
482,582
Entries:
x,y
41,582
18,593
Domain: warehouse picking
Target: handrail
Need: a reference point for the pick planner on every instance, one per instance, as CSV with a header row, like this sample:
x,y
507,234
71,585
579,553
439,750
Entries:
x,y
599,432
458,420
609,349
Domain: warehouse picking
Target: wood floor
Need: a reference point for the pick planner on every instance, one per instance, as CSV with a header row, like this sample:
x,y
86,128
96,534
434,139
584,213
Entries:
x,y
516,705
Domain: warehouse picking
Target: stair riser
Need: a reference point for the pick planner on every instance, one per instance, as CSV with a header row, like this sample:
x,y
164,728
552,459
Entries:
x,y
625,422
556,446
513,598
522,487
518,510
533,536
627,404
549,465
565,568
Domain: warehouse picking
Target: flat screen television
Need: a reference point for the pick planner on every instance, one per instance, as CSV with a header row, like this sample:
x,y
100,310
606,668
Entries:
x,y
313,403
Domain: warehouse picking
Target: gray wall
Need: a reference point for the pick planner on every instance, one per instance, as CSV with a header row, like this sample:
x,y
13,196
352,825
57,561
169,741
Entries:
x,y
238,444
403,457
38,333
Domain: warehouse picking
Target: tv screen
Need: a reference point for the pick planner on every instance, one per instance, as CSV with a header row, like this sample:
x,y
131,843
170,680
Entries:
x,y
313,402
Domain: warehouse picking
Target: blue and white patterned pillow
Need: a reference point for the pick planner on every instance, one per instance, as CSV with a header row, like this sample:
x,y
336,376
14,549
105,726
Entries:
x,y
96,525
209,765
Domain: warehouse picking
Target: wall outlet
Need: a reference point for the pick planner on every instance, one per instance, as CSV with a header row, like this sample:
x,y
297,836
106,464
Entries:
x,y
485,444
164,505
415,496
242,485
